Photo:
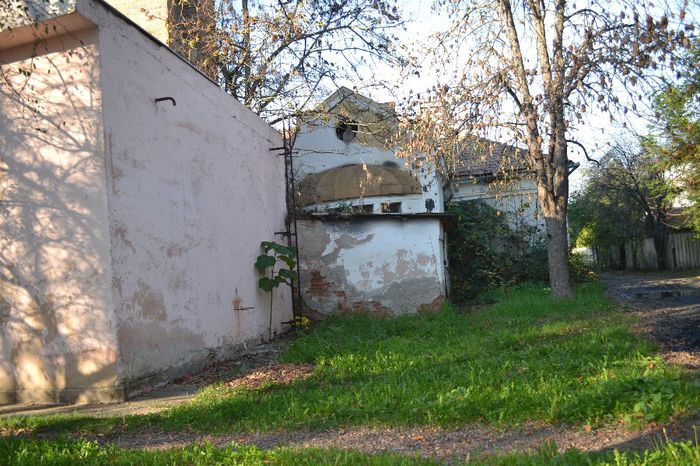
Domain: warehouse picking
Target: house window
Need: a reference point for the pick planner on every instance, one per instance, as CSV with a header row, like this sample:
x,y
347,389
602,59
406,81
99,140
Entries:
x,y
346,130
363,209
391,207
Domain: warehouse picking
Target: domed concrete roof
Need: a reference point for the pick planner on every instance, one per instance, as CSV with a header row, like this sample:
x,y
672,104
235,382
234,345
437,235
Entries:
x,y
354,182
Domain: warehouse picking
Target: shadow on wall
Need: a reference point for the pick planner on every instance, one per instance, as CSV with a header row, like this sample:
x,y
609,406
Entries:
x,y
56,323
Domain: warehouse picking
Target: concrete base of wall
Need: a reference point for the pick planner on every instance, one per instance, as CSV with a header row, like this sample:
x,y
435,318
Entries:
x,y
131,388
67,395
148,382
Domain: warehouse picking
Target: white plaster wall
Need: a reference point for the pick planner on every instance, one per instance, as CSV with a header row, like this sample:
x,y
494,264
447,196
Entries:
x,y
518,200
318,149
193,190
385,266
57,326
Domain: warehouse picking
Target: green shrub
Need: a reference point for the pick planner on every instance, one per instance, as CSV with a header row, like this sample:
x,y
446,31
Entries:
x,y
581,267
484,252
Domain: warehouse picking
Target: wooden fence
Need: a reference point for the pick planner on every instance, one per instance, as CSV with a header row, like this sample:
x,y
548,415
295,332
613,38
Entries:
x,y
682,252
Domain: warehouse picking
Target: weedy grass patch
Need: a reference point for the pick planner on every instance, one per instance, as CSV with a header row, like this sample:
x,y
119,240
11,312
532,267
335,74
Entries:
x,y
524,358
83,452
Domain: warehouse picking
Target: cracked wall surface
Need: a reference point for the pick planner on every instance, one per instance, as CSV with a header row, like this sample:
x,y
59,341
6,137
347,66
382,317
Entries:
x,y
193,189
381,266
129,227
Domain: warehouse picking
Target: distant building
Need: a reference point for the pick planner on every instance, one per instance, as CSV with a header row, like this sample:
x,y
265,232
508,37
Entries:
x,y
347,142
498,175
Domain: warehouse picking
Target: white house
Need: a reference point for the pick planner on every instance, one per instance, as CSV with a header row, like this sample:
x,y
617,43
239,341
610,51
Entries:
x,y
353,131
496,174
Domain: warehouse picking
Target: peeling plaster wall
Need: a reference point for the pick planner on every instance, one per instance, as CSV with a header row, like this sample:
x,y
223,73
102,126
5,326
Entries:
x,y
517,201
381,266
57,326
193,189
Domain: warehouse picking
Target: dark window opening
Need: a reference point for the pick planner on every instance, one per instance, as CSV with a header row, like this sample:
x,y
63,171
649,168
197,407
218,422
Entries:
x,y
346,130
391,207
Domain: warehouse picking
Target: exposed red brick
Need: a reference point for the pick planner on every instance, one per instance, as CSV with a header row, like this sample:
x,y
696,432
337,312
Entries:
x,y
432,307
319,286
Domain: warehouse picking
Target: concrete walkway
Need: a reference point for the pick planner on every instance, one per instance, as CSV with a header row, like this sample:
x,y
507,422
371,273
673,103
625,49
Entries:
x,y
165,397
156,401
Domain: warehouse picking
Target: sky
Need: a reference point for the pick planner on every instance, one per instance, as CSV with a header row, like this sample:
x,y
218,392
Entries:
x,y
597,133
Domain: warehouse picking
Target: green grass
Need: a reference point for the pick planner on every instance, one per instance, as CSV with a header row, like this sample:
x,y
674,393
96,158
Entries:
x,y
61,452
38,453
525,358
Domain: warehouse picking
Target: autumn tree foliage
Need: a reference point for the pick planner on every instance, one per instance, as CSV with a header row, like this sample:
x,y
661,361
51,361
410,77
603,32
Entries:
x,y
278,56
529,71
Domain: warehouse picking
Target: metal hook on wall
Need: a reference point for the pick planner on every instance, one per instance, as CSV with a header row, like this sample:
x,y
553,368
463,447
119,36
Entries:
x,y
161,99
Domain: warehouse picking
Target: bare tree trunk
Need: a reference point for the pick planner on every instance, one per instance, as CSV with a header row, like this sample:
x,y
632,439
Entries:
x,y
558,253
247,57
553,190
552,167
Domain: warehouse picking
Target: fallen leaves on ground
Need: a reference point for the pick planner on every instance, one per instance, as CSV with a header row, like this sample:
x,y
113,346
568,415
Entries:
x,y
280,374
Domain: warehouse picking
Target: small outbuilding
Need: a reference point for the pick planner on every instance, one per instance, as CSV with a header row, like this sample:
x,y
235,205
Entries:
x,y
372,232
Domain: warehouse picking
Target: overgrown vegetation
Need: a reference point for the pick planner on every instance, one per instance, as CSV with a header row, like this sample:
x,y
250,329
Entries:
x,y
484,252
39,453
630,185
675,138
526,358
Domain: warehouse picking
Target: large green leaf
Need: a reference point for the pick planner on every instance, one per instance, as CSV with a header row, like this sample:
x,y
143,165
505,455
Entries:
x,y
267,245
267,284
278,248
290,261
264,262
287,274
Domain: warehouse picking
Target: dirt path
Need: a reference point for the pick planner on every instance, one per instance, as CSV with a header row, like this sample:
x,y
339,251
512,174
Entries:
x,y
668,306
446,444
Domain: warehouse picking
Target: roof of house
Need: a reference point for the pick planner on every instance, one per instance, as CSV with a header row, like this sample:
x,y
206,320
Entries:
x,y
481,157
354,182
343,94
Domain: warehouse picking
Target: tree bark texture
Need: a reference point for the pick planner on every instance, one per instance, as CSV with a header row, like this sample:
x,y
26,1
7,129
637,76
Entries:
x,y
558,254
